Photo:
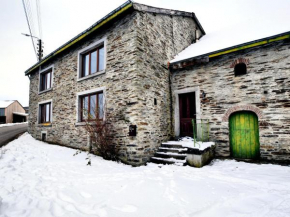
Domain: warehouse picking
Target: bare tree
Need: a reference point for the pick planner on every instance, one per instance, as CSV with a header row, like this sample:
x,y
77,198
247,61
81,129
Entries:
x,y
100,127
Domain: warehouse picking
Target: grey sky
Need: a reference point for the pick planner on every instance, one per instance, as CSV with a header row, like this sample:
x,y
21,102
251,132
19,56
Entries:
x,y
63,19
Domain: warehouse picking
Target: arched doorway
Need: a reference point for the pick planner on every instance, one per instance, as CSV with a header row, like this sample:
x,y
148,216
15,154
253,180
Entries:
x,y
244,135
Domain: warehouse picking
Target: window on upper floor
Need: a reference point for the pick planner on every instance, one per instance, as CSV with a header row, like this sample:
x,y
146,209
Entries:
x,y
92,106
45,113
92,60
45,79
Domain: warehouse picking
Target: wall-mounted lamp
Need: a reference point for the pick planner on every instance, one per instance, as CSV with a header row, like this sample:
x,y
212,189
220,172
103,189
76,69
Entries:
x,y
203,94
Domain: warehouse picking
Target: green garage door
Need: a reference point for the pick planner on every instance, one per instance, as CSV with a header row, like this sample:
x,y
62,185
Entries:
x,y
244,135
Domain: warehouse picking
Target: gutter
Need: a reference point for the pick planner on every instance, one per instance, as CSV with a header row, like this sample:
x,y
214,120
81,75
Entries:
x,y
124,7
251,44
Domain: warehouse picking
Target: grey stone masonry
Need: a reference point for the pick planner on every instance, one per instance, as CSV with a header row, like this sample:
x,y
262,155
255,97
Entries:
x,y
264,90
135,83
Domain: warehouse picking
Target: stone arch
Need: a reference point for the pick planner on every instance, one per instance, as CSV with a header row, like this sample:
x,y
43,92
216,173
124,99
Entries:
x,y
240,60
252,108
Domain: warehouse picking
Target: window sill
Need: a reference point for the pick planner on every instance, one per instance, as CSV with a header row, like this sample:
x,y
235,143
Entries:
x,y
44,91
91,76
45,125
80,124
84,123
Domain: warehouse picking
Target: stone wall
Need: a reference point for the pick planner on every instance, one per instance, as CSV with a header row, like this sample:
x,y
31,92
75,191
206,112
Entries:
x,y
265,90
159,39
120,71
138,48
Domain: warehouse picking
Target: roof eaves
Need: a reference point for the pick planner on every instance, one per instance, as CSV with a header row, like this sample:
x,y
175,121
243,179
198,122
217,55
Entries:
x,y
255,43
124,7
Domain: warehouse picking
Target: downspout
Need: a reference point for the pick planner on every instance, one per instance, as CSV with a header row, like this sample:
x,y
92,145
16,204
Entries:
x,y
169,80
170,101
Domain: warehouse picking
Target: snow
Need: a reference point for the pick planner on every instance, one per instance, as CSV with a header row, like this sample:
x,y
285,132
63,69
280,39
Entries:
x,y
21,114
171,160
5,103
173,149
187,142
12,124
237,34
38,179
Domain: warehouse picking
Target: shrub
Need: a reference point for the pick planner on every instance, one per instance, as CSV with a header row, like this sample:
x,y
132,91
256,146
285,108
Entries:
x,y
101,133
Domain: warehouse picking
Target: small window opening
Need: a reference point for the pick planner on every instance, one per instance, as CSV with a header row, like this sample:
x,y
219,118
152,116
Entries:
x,y
155,101
43,137
240,69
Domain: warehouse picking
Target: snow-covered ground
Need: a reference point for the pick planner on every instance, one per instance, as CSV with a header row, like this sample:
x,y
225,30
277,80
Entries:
x,y
11,124
41,180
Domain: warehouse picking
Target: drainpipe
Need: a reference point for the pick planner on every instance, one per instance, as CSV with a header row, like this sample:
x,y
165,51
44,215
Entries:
x,y
170,100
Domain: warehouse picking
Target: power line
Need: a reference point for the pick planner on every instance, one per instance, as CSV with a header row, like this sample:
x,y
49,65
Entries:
x,y
39,18
30,15
29,27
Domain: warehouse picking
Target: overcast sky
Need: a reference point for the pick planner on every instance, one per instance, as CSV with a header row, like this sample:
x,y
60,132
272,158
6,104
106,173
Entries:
x,y
64,19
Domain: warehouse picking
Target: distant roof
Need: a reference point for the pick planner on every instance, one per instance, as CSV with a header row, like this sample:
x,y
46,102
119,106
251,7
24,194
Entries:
x,y
112,15
230,37
6,103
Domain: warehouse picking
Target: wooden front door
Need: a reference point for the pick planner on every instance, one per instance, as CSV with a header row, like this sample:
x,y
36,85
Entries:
x,y
244,135
187,112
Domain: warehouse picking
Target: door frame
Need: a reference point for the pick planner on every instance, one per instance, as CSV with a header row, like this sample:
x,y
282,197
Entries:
x,y
176,94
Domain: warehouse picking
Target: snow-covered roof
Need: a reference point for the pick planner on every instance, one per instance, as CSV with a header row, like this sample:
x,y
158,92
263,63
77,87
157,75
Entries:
x,y
5,103
230,37
20,113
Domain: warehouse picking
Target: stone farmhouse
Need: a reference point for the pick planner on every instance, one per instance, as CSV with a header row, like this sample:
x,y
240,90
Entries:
x,y
147,66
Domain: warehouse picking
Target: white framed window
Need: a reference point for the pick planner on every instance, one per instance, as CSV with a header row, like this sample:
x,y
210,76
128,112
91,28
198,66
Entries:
x,y
91,104
92,60
45,112
46,79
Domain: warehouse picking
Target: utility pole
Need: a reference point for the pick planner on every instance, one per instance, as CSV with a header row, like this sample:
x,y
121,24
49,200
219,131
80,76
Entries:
x,y
40,50
39,44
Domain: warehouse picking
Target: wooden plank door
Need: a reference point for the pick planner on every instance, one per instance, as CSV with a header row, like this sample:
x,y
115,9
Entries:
x,y
187,112
244,135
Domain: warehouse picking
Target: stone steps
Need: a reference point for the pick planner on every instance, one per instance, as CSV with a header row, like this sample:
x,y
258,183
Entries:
x,y
167,161
170,153
171,145
173,150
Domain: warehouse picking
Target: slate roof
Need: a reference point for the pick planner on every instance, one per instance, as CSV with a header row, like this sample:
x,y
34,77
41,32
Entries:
x,y
128,5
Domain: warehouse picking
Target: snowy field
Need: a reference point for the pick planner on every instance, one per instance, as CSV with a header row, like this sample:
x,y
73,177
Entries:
x,y
43,180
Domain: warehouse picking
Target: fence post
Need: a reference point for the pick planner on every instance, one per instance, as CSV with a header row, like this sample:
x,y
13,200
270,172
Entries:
x,y
193,126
